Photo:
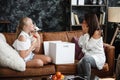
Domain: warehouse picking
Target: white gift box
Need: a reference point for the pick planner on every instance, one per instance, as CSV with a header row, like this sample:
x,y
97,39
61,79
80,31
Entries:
x,y
46,46
62,52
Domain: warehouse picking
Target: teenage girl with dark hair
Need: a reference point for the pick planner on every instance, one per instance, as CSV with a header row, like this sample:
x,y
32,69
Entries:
x,y
91,43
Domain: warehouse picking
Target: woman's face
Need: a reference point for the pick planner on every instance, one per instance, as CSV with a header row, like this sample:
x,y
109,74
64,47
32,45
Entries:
x,y
85,26
29,26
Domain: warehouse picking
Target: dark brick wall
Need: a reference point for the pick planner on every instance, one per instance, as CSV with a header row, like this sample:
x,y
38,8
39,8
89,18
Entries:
x,y
50,15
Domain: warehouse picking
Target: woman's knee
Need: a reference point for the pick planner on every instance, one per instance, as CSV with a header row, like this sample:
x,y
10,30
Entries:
x,y
86,59
38,62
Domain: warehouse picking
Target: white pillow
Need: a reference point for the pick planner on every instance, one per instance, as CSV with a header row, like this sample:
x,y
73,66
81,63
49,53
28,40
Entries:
x,y
9,57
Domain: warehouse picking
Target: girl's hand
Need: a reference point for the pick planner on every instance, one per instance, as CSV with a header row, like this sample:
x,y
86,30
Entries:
x,y
34,44
36,35
36,41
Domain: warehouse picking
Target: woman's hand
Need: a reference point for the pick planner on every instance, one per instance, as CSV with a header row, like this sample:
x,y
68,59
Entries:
x,y
96,34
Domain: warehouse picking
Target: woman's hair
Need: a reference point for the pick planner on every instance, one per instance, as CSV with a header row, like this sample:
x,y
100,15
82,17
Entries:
x,y
92,22
21,24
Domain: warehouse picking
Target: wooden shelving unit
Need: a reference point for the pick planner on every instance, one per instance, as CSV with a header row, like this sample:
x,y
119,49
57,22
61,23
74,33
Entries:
x,y
80,10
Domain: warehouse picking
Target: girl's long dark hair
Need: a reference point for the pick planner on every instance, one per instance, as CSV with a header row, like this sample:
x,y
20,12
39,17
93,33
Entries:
x,y
92,22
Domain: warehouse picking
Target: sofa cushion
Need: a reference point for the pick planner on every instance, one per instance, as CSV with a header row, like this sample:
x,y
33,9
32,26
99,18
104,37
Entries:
x,y
78,50
71,34
10,38
46,70
67,68
10,57
52,36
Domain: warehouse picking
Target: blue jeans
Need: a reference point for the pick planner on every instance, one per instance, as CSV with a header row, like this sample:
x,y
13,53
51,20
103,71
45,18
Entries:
x,y
85,65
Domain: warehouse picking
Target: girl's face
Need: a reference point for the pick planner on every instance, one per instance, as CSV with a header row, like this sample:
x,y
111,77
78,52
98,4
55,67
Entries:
x,y
29,26
84,26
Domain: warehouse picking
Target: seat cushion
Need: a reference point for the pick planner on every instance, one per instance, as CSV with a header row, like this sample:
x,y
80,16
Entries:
x,y
67,68
72,68
46,70
78,50
106,67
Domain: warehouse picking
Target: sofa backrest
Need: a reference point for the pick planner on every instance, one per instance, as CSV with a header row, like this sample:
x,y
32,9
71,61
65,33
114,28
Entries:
x,y
71,34
48,36
10,37
65,36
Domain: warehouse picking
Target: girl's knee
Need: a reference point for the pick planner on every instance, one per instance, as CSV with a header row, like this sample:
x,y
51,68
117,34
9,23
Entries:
x,y
39,62
48,59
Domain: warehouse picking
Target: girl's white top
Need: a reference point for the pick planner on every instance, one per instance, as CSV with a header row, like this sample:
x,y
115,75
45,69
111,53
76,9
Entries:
x,y
94,48
24,45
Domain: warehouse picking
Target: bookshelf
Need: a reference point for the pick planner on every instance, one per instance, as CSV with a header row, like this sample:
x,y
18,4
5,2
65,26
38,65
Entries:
x,y
99,9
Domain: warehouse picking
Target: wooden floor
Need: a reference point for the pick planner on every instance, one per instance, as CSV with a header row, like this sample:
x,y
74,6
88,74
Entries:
x,y
107,79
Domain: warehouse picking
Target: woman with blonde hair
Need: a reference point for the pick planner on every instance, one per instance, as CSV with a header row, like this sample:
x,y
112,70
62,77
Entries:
x,y
27,42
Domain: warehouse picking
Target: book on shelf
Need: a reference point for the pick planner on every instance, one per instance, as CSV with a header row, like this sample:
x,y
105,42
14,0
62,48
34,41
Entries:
x,y
72,19
74,2
102,18
81,2
76,19
103,21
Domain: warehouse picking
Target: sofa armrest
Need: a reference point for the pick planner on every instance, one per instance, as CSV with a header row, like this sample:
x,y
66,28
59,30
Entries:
x,y
110,56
